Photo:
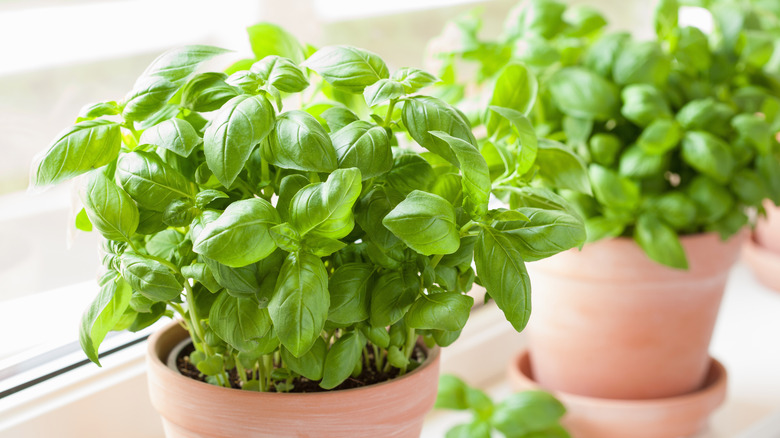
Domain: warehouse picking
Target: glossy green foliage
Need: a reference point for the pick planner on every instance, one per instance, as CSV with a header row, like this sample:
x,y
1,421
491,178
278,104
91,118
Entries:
x,y
527,414
676,132
284,211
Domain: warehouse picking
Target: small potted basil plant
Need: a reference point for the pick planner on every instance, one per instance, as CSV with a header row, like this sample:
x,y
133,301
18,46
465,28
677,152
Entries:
x,y
525,414
677,135
314,257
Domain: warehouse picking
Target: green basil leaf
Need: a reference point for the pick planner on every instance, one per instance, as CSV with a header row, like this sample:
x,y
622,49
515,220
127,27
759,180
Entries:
x,y
602,227
349,285
99,109
450,187
322,246
165,244
755,130
342,358
240,282
150,94
103,313
527,412
152,183
502,271
604,148
525,132
240,236
661,136
635,162
541,17
150,221
476,175
660,242
410,172
207,92
584,21
83,147
82,221
309,365
300,303
665,19
299,142
692,49
425,222
348,68
544,232
442,311
474,429
243,122
423,114
109,208
413,79
281,73
708,154
674,208
768,168
515,88
338,117
176,135
580,93
201,273
376,335
392,294
369,212
644,104
286,237
270,39
176,65
381,91
149,277
325,209
365,146
206,197
561,168
712,199
290,185
749,187
641,63
706,115
613,190
239,321
600,57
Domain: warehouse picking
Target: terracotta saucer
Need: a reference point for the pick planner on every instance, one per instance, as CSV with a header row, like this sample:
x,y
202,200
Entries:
x,y
672,417
764,263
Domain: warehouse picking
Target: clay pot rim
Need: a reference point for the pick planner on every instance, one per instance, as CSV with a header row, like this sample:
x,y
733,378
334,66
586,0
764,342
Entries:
x,y
715,387
760,250
162,367
763,262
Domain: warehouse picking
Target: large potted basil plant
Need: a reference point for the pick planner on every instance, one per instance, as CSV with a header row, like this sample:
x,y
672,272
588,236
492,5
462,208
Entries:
x,y
677,137
315,258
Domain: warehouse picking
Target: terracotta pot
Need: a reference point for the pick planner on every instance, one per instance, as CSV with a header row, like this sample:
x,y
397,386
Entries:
x,y
191,408
762,251
608,322
767,232
672,417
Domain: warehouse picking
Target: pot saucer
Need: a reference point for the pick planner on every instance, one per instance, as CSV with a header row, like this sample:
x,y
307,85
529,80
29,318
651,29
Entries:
x,y
672,417
764,263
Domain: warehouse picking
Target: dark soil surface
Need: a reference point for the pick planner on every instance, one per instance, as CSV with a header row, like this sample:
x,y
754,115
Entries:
x,y
369,376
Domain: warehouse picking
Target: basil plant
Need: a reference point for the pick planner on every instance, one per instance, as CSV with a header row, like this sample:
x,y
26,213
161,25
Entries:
x,y
677,133
526,414
308,216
